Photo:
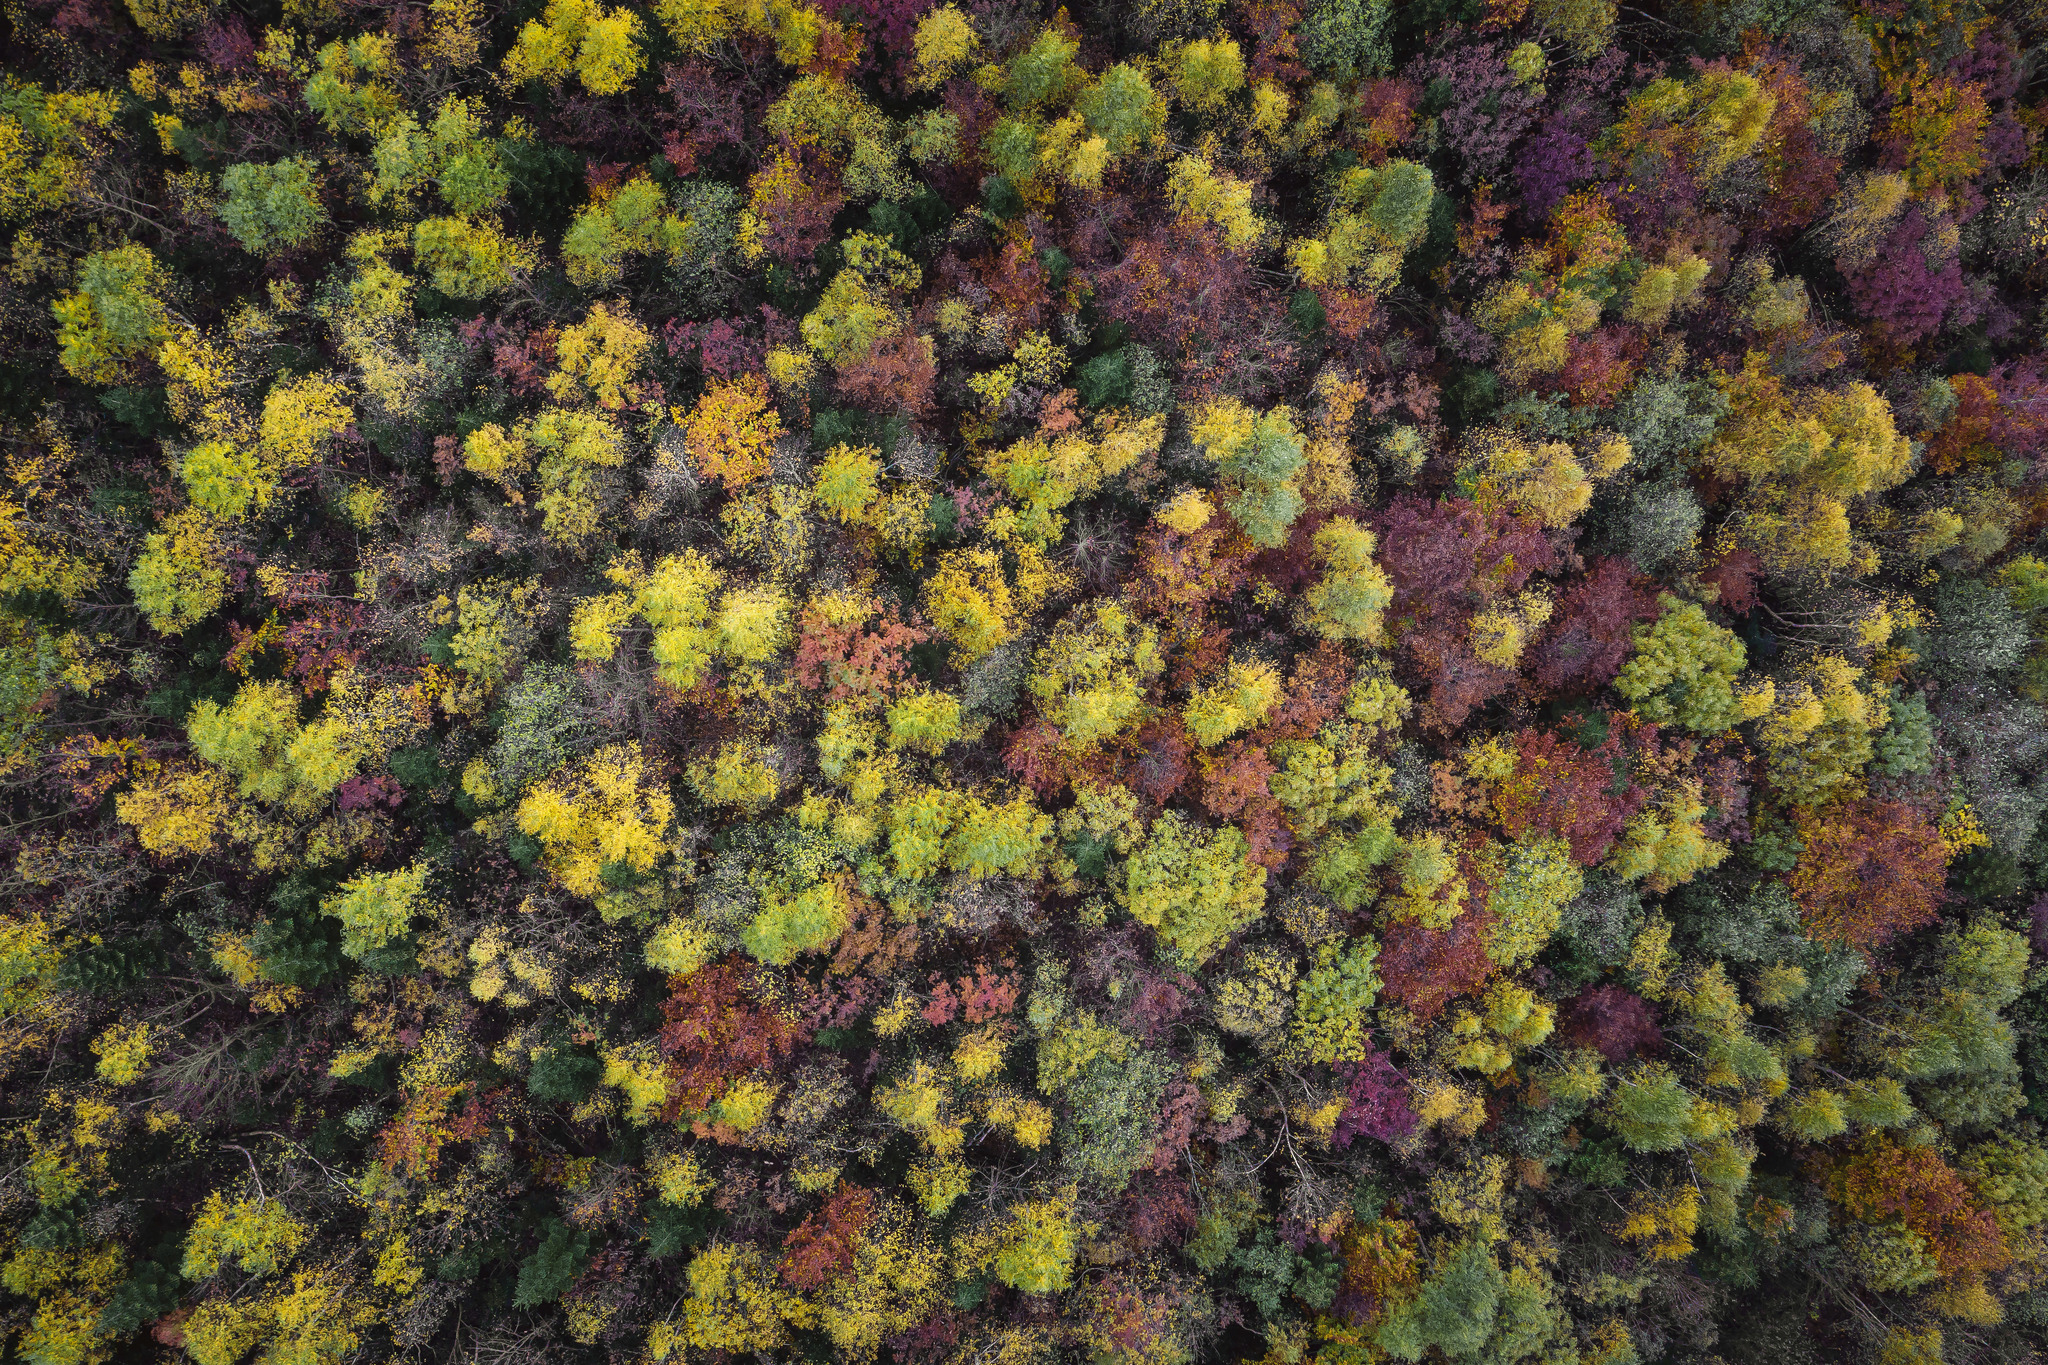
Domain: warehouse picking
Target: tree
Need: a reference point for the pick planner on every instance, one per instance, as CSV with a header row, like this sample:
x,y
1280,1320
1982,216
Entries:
x,y
970,602
1238,701
470,259
1261,456
176,811
1205,196
630,219
1122,109
849,480
1821,735
1870,871
1090,679
1377,215
733,1304
808,922
1552,784
1560,290
1038,1240
257,1237
117,315
226,482
1546,482
1347,602
1346,39
1651,1109
1195,887
377,908
266,207
600,46
1804,456
601,812
1683,671
350,91
732,431
1585,24
945,41
1666,845
180,579
598,357
1877,1179
1331,1003
1531,884
1453,1310
850,318
1449,561
1593,628
714,1032
546,1275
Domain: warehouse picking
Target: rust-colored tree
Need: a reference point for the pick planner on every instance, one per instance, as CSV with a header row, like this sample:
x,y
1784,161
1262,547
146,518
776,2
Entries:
x,y
715,1032
1871,870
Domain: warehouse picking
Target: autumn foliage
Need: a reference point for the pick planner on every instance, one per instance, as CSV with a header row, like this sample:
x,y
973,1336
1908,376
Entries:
x,y
975,682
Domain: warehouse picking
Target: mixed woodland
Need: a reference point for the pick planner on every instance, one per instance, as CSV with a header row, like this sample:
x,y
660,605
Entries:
x,y
1168,681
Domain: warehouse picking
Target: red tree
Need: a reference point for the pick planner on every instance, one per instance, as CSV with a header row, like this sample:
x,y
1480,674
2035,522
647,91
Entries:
x,y
1618,1022
1584,796
896,375
869,660
820,1249
1591,635
1446,560
1425,969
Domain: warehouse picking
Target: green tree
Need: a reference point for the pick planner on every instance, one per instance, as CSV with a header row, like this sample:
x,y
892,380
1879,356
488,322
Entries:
x,y
554,1265
181,577
1261,455
1453,1311
1346,39
633,220
1683,671
270,206
788,927
1039,1239
1651,1109
1123,109
470,259
377,908
1346,602
1330,1004
1090,678
1376,215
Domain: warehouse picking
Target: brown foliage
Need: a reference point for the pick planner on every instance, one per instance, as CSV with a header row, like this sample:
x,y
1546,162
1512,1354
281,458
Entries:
x,y
1872,870
870,660
1160,759
1594,629
820,1249
714,1033
1178,575
896,375
1584,796
1425,969
1879,1179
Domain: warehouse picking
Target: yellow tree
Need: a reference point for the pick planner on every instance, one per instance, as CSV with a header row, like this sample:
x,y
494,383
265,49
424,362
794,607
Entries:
x,y
603,811
1803,458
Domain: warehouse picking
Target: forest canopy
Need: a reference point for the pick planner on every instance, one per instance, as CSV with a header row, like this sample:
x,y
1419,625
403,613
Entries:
x,y
981,683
